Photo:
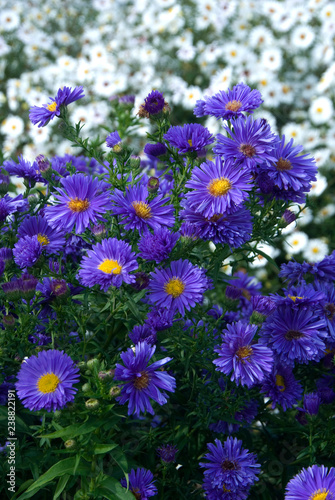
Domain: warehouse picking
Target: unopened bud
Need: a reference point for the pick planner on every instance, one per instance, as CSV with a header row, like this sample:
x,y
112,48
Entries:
x,y
86,387
92,404
93,363
114,391
153,184
70,444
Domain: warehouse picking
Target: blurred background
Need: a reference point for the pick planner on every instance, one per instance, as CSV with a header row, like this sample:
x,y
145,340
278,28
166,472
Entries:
x,y
186,49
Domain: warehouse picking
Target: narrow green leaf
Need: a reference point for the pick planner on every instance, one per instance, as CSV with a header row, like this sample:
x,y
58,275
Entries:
x,y
112,489
61,486
104,448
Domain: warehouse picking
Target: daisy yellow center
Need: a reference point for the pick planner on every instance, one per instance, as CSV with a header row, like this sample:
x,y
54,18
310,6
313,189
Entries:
x,y
294,297
219,187
48,383
244,352
233,105
190,142
319,495
280,382
248,150
52,107
142,209
174,287
44,240
142,381
282,165
78,205
315,250
110,266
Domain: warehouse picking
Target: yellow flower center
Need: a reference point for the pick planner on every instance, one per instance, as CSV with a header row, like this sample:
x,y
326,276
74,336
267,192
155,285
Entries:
x,y
294,297
52,107
48,383
44,240
142,381
174,287
190,142
109,266
219,187
244,352
319,495
225,490
78,205
142,209
315,250
280,382
283,164
233,105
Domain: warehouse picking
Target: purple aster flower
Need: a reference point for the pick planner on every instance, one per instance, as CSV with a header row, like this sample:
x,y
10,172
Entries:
x,y
81,202
46,381
294,335
159,319
143,333
141,281
213,492
41,115
294,271
282,387
155,150
326,395
108,264
24,169
311,403
244,286
290,170
138,212
9,205
27,251
154,102
188,138
325,269
231,229
157,246
180,286
43,163
217,188
315,483
113,139
300,296
127,99
141,484
51,240
263,305
248,362
230,104
230,467
250,144
167,453
326,308
143,381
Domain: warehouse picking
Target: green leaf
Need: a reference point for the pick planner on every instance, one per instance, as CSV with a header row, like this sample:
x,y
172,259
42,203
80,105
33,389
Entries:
x,y
112,490
59,469
61,486
104,448
73,430
120,458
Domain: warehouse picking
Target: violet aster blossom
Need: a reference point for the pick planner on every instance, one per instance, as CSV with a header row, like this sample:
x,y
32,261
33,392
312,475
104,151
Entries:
x,y
188,138
46,381
113,139
326,309
250,143
218,187
41,115
231,229
282,387
178,287
51,240
230,467
294,335
290,170
143,381
154,102
141,484
142,333
248,362
231,104
109,263
25,169
157,246
27,251
315,483
137,212
81,201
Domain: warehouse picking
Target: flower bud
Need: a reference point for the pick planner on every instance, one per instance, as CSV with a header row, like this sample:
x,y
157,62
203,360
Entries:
x,y
114,391
93,363
153,184
92,404
8,321
86,387
70,444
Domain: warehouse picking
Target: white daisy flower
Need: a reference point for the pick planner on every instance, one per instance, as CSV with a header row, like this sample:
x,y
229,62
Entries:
x,y
315,250
295,242
318,186
321,110
302,37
